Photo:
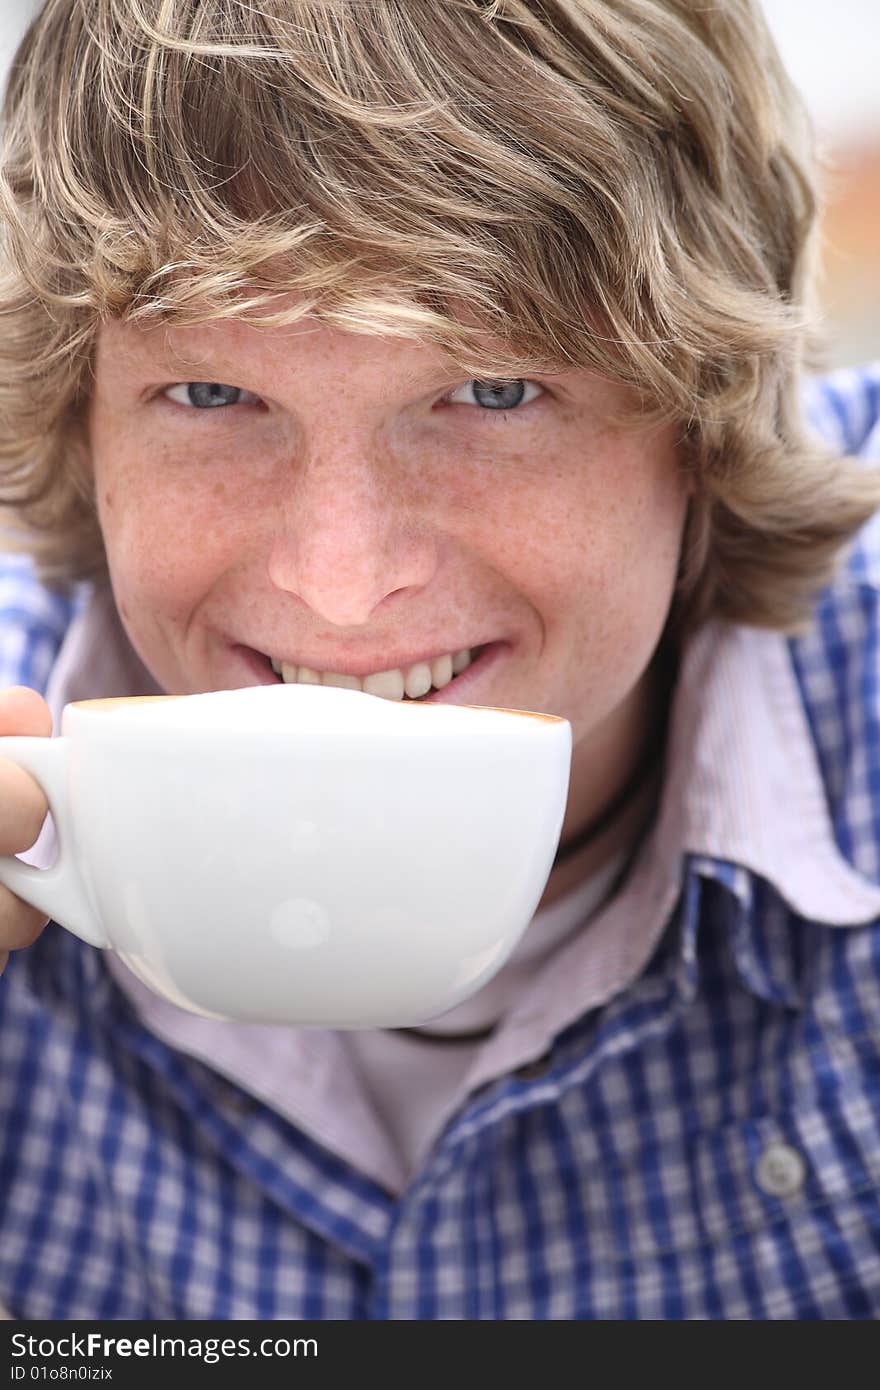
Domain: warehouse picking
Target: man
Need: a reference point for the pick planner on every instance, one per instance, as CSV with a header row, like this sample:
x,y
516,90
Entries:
x,y
452,346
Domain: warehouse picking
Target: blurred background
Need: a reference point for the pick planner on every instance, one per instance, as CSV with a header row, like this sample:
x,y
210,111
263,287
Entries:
x,y
833,53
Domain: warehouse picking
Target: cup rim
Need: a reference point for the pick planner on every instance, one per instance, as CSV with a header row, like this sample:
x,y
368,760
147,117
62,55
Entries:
x,y
109,703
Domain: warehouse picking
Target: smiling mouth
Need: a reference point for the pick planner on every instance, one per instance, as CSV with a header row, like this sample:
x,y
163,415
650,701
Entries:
x,y
416,682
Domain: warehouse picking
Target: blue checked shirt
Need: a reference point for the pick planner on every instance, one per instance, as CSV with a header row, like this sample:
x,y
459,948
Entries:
x,y
703,1144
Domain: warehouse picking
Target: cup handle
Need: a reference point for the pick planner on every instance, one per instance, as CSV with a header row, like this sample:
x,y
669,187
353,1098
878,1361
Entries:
x,y
58,891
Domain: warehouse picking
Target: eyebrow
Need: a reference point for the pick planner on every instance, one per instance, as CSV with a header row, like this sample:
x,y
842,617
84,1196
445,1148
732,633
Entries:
x,y
158,357
219,358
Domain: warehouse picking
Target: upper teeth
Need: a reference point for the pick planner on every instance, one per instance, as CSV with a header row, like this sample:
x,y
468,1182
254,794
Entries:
x,y
413,681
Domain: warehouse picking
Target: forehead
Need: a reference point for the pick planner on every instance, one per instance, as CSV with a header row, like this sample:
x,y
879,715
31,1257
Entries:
x,y
376,329
190,343
187,347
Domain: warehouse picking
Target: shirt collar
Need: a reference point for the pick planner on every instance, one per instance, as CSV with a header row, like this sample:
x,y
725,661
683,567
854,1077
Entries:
x,y
750,790
743,795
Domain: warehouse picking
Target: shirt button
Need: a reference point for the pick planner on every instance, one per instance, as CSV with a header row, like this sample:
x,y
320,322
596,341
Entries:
x,y
780,1171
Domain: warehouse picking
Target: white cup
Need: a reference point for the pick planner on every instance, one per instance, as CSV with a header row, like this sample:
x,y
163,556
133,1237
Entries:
x,y
299,854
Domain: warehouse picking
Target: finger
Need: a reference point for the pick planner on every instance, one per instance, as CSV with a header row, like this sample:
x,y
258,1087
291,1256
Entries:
x,y
24,711
23,808
20,924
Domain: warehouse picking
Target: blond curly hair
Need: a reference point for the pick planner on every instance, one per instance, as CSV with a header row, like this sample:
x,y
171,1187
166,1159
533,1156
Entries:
x,y
621,185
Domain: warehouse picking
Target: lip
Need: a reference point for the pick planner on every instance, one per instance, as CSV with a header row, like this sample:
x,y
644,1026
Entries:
x,y
456,691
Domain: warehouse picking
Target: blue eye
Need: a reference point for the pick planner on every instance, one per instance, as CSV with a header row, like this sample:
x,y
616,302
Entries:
x,y
208,395
495,395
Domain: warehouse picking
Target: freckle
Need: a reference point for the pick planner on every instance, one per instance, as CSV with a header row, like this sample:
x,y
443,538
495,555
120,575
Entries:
x,y
219,489
108,499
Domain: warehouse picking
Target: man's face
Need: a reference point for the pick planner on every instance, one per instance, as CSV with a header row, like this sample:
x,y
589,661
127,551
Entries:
x,y
354,505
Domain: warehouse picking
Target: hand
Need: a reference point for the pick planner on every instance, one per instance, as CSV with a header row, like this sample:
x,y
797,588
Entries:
x,y
23,809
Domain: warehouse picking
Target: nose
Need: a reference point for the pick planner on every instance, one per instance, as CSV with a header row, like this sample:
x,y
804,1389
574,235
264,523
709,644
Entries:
x,y
349,537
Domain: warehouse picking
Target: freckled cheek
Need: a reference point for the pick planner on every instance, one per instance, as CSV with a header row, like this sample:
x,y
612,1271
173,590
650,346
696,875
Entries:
x,y
639,577
616,558
164,548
